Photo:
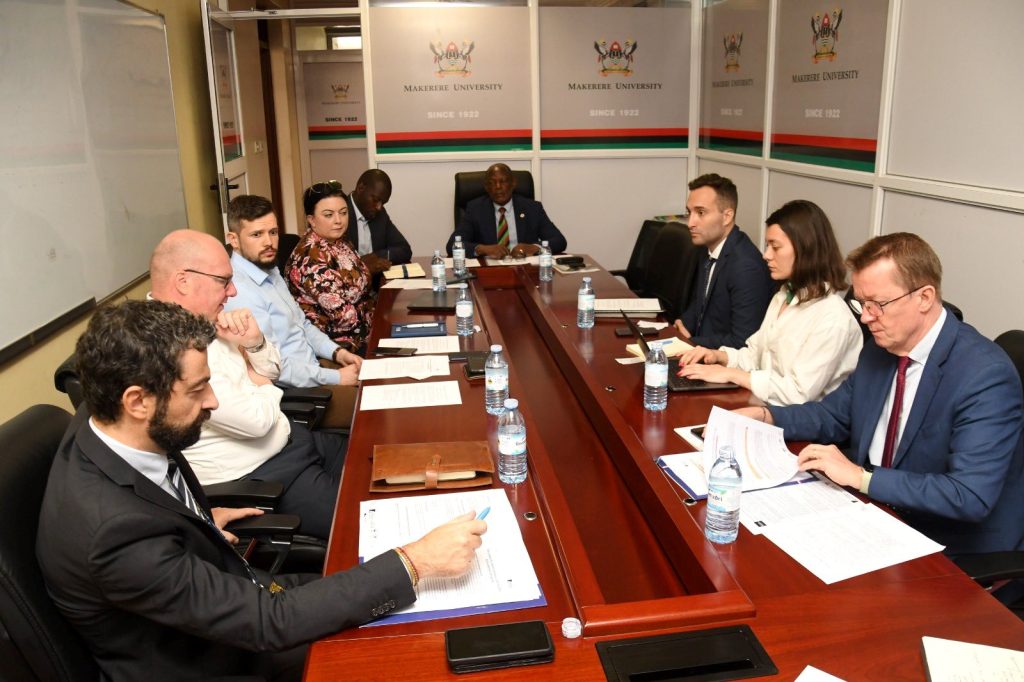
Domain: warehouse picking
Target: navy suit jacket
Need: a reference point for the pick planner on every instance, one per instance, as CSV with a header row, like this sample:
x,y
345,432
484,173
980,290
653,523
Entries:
x,y
479,225
738,297
155,591
386,239
957,471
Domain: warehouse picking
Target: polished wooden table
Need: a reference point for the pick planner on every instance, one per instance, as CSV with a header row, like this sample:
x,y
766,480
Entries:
x,y
613,542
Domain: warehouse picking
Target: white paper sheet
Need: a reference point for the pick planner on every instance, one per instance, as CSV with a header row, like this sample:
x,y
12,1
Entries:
x,y
843,543
763,509
416,367
688,469
413,284
812,674
948,660
424,345
449,263
687,434
502,572
629,361
396,396
760,449
614,305
647,324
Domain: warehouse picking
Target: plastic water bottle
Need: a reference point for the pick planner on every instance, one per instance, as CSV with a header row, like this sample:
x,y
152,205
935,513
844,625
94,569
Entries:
x,y
458,257
511,444
724,487
464,312
655,379
546,262
437,271
495,381
585,305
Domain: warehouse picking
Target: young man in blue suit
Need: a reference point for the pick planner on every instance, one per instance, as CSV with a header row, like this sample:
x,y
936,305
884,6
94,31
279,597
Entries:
x,y
733,287
930,419
503,223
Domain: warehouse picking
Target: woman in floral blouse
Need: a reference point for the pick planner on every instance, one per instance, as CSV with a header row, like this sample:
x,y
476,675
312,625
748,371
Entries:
x,y
326,276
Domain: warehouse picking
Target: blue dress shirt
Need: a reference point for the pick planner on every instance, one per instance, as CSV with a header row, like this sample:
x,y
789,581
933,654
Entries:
x,y
266,294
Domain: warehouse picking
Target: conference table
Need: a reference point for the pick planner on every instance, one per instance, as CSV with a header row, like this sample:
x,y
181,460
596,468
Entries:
x,y
613,540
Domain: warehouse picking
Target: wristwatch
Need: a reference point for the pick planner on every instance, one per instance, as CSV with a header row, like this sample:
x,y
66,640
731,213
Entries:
x,y
258,347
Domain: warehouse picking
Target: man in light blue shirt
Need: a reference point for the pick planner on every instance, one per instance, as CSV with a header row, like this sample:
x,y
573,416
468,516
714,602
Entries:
x,y
254,239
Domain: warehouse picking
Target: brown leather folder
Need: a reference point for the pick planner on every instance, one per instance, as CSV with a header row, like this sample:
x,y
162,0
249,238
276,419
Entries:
x,y
430,466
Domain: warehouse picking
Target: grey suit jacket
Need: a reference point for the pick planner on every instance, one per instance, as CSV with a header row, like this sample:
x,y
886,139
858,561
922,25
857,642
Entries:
x,y
156,592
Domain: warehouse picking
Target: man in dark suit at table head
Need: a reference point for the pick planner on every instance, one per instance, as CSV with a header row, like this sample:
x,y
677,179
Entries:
x,y
930,419
732,287
374,237
504,223
137,561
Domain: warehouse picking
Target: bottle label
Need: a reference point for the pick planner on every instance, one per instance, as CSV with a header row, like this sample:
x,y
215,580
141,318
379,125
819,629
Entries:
x,y
585,302
723,498
545,260
495,380
437,270
656,375
464,309
512,443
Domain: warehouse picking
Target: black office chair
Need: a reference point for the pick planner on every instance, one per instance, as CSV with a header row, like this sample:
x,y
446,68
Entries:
x,y
285,245
994,567
470,185
670,268
635,273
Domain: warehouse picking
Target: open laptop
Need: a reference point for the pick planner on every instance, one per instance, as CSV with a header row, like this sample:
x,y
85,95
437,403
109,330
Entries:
x,y
675,383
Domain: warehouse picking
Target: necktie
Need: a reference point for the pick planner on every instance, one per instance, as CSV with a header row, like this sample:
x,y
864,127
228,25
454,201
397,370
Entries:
x,y
180,485
502,227
705,287
894,416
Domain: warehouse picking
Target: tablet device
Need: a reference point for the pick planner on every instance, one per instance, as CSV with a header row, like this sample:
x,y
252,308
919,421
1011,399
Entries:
x,y
435,302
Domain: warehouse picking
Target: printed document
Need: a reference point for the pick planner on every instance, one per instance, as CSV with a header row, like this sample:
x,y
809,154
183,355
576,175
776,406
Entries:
x,y
424,345
760,449
629,305
416,367
687,470
395,396
501,578
847,542
763,509
412,284
449,263
946,660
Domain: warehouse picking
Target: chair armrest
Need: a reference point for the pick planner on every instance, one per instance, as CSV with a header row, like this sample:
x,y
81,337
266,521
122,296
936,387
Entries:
x,y
304,413
262,494
314,394
992,566
267,524
618,273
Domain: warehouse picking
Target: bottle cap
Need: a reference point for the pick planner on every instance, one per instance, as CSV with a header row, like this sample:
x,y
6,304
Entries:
x,y
511,404
544,243
496,348
437,252
463,285
571,628
586,279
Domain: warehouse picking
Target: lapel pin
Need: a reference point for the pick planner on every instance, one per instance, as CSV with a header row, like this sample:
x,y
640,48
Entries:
x,y
522,215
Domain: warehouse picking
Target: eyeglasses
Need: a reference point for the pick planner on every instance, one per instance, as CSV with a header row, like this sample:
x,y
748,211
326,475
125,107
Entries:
x,y
225,281
876,308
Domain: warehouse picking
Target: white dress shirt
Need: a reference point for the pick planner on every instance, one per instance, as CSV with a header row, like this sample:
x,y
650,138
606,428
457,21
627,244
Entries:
x,y
363,228
804,353
918,357
248,427
152,465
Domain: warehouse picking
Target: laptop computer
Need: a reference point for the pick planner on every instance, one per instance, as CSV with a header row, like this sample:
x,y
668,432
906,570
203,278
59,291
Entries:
x,y
676,383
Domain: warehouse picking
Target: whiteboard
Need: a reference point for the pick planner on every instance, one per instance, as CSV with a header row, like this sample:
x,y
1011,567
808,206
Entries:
x,y
90,178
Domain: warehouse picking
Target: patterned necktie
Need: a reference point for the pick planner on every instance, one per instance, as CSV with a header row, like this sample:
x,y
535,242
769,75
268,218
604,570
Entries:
x,y
178,482
502,227
894,416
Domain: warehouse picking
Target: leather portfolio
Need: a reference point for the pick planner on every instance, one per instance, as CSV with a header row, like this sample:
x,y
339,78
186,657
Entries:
x,y
430,466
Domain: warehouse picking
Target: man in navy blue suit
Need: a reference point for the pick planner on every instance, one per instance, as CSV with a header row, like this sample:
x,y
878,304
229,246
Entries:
x,y
732,287
931,418
503,223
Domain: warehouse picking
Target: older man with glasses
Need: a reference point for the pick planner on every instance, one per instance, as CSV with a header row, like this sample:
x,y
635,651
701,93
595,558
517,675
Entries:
x,y
930,419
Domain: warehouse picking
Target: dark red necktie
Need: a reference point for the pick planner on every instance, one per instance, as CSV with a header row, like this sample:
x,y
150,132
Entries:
x,y
894,417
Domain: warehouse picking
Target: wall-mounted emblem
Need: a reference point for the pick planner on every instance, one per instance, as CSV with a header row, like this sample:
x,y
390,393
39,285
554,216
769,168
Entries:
x,y
826,34
617,59
732,51
452,60
340,90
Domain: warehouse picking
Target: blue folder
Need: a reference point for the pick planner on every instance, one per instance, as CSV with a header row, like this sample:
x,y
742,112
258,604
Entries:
x,y
399,331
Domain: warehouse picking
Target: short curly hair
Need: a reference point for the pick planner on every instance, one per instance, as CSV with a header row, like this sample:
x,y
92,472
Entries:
x,y
135,343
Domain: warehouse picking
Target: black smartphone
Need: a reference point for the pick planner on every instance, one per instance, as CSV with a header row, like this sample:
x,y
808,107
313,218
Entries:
x,y
498,646
644,331
570,261
400,352
474,367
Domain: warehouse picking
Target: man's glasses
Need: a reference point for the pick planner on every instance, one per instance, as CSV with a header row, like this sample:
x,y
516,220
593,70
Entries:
x,y
225,281
876,308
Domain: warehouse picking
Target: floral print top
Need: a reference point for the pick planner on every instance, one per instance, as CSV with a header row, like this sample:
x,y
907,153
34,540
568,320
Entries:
x,y
333,287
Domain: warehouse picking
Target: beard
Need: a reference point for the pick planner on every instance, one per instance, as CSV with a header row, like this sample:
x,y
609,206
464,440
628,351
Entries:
x,y
175,437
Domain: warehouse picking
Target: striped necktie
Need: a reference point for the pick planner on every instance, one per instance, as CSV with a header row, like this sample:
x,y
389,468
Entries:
x,y
502,227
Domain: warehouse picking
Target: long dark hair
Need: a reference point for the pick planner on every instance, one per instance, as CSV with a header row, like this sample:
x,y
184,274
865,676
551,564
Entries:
x,y
818,263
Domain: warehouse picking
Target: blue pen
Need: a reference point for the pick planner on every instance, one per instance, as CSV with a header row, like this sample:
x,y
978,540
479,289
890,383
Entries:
x,y
483,515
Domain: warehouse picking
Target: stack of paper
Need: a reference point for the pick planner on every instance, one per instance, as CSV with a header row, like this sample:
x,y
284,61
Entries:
x,y
449,263
398,396
634,307
672,347
424,345
415,367
405,271
501,579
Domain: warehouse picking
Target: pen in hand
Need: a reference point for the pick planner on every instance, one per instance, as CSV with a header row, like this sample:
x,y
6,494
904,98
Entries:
x,y
483,514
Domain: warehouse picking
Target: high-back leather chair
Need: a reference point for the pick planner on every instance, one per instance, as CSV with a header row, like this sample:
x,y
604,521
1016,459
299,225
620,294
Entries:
x,y
635,273
670,268
36,643
470,185
285,245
